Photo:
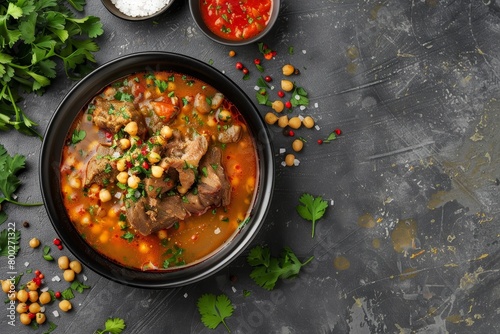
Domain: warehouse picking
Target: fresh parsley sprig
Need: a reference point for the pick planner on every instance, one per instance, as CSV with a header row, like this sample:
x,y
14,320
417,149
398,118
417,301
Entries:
x,y
113,326
267,269
214,310
312,209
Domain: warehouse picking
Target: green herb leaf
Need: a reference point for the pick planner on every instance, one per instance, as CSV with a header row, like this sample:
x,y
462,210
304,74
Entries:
x,y
214,310
312,208
113,326
9,239
78,286
78,136
68,294
46,255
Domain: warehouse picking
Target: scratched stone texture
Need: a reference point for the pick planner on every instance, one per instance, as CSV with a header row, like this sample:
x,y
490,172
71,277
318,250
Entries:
x,y
411,244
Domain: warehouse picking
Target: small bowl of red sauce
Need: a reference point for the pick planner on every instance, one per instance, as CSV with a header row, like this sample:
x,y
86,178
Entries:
x,y
235,22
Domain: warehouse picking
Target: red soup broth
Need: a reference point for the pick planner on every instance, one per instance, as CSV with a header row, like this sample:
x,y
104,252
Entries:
x,y
103,224
235,19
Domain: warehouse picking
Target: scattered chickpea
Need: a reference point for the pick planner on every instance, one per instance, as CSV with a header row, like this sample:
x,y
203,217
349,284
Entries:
x,y
33,296
133,181
63,262
131,128
25,319
22,296
69,275
154,157
22,308
124,143
34,307
166,132
44,298
308,122
76,266
283,121
232,53
289,159
286,85
40,318
34,243
270,118
32,286
122,177
297,145
295,122
288,69
157,171
6,286
105,195
65,305
278,106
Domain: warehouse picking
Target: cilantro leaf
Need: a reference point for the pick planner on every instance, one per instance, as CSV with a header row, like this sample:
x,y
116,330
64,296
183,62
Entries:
x,y
312,208
78,286
214,309
267,270
9,239
113,326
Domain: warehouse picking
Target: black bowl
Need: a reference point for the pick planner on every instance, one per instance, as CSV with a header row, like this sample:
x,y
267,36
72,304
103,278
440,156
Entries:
x,y
194,7
50,161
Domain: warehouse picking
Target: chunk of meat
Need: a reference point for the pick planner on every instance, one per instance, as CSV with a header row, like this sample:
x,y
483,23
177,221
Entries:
x,y
201,104
101,168
157,186
217,100
230,135
112,115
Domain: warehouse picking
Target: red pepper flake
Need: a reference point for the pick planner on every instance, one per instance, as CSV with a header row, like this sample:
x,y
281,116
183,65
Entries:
x,y
57,294
31,315
268,78
37,280
288,104
245,70
281,93
57,241
320,141
37,273
256,61
42,276
291,133
145,165
60,247
338,132
239,66
108,135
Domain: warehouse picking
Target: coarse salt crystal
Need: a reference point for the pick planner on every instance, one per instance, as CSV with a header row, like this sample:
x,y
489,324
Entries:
x,y
283,163
85,277
56,279
136,8
55,313
302,107
118,195
316,127
26,264
217,231
304,51
46,288
272,87
256,87
301,118
332,202
316,105
42,309
185,295
296,162
282,150
233,288
297,97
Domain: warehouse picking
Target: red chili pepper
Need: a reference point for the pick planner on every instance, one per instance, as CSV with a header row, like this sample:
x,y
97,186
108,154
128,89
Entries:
x,y
320,141
338,132
145,165
31,315
268,78
57,294
288,104
57,241
245,70
281,93
42,276
239,66
37,280
37,273
256,61
60,247
291,133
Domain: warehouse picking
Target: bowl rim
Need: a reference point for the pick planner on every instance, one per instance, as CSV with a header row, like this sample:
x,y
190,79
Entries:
x,y
50,159
196,15
110,6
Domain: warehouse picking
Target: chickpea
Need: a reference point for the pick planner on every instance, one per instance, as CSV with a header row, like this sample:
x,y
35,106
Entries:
x,y
133,181
270,118
295,122
297,145
45,298
65,305
225,115
32,286
134,140
69,275
34,242
157,171
33,296
283,121
278,106
75,182
308,122
232,53
289,159
22,296
124,143
105,195
162,234
22,308
25,319
288,69
286,85
34,307
166,132
122,177
63,262
154,157
171,86
6,285
121,165
76,266
40,318
131,128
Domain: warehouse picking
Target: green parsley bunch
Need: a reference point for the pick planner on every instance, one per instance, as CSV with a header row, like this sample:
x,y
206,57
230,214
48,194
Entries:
x,y
34,35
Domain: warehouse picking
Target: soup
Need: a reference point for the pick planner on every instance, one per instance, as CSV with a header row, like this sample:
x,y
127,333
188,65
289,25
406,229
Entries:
x,y
158,171
236,20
